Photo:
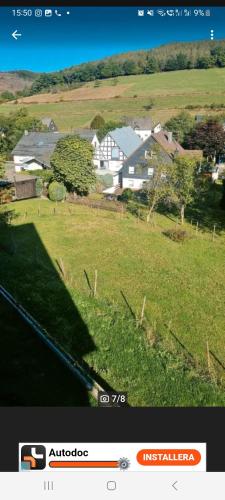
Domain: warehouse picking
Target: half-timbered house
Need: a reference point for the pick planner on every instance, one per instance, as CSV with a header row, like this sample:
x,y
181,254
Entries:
x,y
114,149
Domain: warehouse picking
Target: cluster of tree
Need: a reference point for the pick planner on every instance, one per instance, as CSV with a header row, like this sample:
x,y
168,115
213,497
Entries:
x,y
148,62
208,135
12,128
8,95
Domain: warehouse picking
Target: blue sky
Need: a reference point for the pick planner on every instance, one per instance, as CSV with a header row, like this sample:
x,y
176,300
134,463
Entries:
x,y
90,33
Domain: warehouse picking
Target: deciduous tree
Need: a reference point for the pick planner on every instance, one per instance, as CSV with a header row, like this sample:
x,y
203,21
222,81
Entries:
x,y
72,164
158,187
182,178
208,136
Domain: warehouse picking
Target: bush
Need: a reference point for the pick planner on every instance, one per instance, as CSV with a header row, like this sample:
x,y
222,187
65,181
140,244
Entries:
x,y
7,96
39,186
126,195
56,191
178,235
191,106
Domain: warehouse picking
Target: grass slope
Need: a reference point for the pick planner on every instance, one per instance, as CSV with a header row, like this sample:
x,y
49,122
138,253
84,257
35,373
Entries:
x,y
170,92
31,375
183,285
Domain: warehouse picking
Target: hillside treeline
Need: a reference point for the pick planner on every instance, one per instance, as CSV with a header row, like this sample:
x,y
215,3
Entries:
x,y
170,57
201,55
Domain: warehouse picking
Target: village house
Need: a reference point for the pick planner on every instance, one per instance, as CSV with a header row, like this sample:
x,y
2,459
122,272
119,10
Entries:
x,y
136,170
143,127
88,134
113,150
34,149
49,123
122,156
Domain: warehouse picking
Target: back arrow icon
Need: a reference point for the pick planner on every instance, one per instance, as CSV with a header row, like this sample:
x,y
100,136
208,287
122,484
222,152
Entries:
x,y
174,485
16,35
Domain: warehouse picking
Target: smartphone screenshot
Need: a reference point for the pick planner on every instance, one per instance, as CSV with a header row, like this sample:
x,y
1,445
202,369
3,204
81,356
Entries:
x,y
112,250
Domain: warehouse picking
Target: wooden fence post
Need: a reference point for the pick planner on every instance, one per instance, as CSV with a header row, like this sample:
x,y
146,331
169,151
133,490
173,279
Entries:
x,y
143,310
95,283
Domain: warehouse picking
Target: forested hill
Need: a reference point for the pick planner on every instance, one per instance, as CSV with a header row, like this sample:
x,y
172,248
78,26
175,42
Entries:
x,y
170,57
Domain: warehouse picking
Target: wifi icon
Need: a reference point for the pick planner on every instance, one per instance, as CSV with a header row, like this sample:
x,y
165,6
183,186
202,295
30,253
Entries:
x,y
161,12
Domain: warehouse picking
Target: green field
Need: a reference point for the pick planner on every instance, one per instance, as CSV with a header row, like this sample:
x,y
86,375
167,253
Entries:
x,y
170,92
183,285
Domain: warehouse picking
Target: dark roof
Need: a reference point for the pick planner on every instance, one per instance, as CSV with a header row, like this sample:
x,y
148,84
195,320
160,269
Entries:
x,y
126,139
39,145
138,159
143,123
166,140
85,133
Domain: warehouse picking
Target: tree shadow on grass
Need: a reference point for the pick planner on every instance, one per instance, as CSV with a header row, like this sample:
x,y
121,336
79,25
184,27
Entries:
x,y
30,374
207,218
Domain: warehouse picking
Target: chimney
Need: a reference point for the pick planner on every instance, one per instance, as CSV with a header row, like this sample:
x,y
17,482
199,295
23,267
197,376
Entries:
x,y
26,132
170,136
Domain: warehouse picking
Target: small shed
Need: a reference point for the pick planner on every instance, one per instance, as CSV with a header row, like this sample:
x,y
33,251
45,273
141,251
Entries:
x,y
16,186
25,186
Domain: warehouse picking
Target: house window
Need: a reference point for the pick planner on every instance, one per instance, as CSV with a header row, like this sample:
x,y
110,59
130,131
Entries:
x,y
131,170
150,171
149,155
115,153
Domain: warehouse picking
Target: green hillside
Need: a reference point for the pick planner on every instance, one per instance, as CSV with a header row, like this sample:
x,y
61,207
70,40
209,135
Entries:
x,y
161,96
183,285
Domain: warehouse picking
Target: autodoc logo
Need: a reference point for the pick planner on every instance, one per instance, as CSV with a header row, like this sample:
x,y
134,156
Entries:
x,y
33,457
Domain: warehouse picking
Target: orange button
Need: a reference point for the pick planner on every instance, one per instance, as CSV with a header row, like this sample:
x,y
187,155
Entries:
x,y
168,457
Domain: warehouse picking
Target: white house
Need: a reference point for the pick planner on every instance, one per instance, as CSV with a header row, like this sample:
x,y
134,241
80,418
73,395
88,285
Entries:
x,y
113,150
137,170
34,149
143,127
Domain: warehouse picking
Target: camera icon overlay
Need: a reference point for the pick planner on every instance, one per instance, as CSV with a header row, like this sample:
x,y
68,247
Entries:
x,y
112,399
33,457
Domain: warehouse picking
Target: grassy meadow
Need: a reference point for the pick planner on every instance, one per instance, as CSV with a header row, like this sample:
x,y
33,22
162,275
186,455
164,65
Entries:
x,y
170,92
48,263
